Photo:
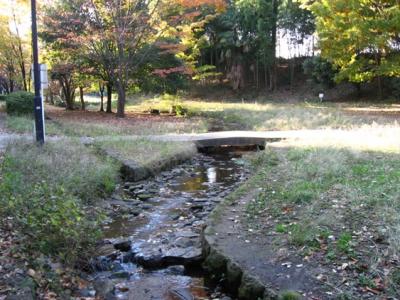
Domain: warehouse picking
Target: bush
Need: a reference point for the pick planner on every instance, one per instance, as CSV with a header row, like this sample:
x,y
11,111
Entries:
x,y
2,97
55,223
19,103
45,191
320,70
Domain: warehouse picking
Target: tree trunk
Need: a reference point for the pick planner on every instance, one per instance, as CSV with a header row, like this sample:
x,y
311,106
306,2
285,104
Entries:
x,y
380,88
51,96
101,89
257,75
69,94
273,68
21,55
83,107
121,100
265,70
11,85
358,88
292,69
109,98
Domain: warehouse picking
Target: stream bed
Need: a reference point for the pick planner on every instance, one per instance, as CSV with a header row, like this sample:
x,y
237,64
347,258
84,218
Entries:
x,y
152,246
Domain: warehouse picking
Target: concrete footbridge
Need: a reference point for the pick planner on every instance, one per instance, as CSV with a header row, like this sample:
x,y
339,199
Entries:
x,y
201,140
237,138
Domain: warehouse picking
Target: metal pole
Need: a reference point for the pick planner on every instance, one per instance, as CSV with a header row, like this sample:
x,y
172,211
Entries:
x,y
38,109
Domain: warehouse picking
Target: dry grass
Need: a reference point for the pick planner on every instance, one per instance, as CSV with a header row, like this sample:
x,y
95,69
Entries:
x,y
278,116
63,163
144,151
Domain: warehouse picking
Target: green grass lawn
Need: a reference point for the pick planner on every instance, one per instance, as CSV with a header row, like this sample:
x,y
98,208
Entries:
x,y
333,203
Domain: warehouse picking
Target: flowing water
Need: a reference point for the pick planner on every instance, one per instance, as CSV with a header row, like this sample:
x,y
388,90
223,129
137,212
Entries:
x,y
153,246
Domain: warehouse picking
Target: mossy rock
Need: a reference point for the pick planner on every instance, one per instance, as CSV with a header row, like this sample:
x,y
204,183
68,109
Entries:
x,y
215,264
250,288
233,277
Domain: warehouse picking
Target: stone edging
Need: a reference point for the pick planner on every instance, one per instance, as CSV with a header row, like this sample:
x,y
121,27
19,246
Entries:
x,y
223,268
134,171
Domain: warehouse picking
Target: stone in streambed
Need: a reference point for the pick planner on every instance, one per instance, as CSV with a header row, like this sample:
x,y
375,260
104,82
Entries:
x,y
120,274
123,245
182,294
107,250
182,256
146,206
144,197
150,260
187,234
103,287
170,256
184,242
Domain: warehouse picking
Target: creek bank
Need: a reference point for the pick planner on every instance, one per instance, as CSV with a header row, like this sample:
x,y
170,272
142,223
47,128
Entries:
x,y
245,265
133,170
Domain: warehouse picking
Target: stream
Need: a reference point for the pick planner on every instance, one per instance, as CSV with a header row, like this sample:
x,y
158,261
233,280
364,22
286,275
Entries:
x,y
152,246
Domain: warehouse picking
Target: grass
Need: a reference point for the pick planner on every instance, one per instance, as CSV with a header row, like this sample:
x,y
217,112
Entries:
x,y
63,163
203,115
271,115
25,124
337,196
80,126
144,151
49,193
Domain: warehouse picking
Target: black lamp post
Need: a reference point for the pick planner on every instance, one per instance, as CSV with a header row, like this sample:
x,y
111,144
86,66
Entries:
x,y
38,109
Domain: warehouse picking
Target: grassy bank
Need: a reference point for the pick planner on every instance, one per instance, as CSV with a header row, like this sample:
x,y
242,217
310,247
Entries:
x,y
333,204
144,151
49,193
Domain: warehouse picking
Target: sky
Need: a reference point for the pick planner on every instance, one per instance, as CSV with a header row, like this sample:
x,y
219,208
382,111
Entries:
x,y
21,10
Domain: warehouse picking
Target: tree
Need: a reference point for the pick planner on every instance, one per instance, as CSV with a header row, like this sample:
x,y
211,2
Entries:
x,y
245,37
14,46
113,37
64,73
362,38
296,24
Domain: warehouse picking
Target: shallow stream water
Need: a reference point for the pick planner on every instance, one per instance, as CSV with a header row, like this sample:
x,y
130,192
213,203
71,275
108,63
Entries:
x,y
153,237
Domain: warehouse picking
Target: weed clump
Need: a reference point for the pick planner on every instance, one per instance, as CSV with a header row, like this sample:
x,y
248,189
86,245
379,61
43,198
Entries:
x,y
46,190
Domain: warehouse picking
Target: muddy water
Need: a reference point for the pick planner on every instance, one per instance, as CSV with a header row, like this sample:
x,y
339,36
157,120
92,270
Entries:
x,y
153,248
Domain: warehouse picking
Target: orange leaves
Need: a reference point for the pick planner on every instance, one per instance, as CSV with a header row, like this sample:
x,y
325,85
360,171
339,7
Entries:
x,y
219,5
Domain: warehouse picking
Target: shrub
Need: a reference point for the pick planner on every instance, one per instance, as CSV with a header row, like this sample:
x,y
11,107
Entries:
x,y
19,103
55,223
2,97
320,70
45,189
